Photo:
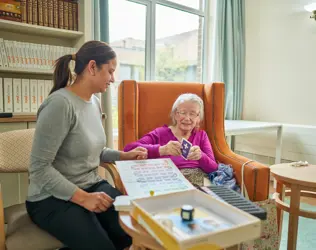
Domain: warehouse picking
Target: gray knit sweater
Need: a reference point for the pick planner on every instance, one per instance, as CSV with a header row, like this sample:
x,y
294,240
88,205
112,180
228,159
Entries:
x,y
68,144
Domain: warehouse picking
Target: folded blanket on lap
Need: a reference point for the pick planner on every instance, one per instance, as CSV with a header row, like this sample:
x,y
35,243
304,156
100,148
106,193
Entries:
x,y
224,176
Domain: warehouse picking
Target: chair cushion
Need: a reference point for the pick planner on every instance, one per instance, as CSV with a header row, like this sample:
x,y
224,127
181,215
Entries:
x,y
22,233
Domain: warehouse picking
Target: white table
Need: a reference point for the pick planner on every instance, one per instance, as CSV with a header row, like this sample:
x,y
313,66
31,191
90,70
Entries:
x,y
242,127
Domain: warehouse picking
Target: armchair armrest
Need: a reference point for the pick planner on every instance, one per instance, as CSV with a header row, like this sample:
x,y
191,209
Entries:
x,y
111,168
256,175
2,233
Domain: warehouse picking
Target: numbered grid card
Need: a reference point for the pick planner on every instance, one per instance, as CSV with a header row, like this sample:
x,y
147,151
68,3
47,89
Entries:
x,y
143,178
185,148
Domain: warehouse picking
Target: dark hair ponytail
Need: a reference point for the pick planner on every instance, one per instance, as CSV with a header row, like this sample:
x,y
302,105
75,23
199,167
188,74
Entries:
x,y
62,73
98,51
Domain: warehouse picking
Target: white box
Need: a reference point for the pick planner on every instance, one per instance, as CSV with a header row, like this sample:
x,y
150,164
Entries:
x,y
48,87
26,104
17,95
33,90
40,92
216,224
1,96
8,95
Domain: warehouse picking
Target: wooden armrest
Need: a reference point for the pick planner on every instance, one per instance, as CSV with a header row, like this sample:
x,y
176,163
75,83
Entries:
x,y
111,168
2,233
256,176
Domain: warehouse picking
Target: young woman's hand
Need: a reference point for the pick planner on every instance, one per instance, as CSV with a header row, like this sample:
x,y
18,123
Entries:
x,y
171,148
94,202
138,153
195,153
97,202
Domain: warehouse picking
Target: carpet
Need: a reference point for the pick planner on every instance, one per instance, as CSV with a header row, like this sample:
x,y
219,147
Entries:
x,y
306,239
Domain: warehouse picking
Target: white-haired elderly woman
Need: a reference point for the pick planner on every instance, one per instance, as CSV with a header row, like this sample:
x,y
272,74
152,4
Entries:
x,y
165,142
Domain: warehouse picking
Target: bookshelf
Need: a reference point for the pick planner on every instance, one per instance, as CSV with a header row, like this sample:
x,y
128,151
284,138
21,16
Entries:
x,y
20,118
26,71
31,29
36,34
24,119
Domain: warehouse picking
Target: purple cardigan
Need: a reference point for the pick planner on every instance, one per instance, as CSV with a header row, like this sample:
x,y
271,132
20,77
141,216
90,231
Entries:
x,y
162,135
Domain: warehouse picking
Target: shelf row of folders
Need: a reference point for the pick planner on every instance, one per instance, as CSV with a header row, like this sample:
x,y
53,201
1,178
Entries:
x,y
15,54
23,95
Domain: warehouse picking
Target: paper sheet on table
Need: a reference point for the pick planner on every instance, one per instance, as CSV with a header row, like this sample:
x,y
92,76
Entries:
x,y
139,177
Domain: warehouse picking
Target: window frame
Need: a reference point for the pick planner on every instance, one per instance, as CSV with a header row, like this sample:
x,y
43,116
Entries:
x,y
150,36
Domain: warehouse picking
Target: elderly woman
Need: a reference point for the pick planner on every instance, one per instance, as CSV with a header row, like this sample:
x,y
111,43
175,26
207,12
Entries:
x,y
186,114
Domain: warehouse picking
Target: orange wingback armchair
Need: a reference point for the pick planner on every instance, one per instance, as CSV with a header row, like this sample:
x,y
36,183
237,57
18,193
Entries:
x,y
144,106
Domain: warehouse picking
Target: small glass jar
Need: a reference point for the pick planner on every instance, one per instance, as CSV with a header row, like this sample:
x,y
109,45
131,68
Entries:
x,y
187,213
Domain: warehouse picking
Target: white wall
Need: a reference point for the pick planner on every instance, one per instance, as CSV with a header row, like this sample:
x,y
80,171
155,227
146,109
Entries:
x,y
280,80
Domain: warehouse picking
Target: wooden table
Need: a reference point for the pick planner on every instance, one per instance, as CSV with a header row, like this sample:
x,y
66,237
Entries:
x,y
141,239
302,182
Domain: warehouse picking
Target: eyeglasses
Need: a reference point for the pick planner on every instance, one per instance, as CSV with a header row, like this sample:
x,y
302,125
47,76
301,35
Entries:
x,y
192,115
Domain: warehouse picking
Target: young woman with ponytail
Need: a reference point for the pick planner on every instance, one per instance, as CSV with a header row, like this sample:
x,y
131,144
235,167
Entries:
x,y
66,196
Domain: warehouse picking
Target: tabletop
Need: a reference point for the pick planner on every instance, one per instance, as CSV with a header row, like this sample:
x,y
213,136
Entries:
x,y
234,127
305,175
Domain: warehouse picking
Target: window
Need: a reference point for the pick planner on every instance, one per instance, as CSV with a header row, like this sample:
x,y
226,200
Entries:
x,y
178,50
127,24
127,32
196,4
158,40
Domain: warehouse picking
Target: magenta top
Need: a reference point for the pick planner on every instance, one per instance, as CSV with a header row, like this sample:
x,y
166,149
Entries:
x,y
162,135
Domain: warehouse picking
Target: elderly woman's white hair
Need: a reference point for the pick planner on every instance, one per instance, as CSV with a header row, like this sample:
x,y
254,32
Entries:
x,y
185,98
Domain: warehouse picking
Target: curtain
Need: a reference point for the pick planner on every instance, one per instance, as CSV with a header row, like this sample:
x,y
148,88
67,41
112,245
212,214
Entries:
x,y
100,13
229,54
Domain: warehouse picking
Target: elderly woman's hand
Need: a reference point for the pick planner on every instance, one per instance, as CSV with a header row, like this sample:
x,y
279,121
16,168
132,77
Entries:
x,y
195,153
171,148
138,153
